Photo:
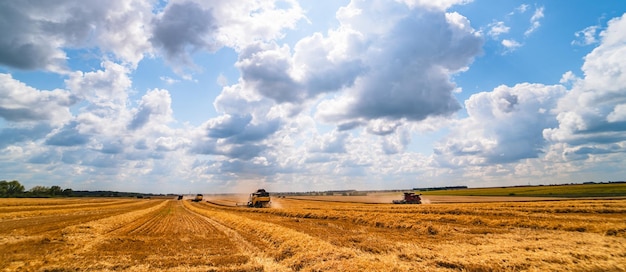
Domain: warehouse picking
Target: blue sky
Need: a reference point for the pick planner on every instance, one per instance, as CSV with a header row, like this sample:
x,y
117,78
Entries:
x,y
228,96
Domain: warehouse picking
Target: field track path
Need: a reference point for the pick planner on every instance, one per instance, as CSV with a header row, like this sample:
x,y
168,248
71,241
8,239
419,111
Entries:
x,y
245,246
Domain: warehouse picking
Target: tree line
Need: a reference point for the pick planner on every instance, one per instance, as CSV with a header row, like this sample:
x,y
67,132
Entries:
x,y
15,189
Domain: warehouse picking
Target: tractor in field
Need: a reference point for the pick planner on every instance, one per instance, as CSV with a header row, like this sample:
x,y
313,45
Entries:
x,y
409,198
198,198
259,199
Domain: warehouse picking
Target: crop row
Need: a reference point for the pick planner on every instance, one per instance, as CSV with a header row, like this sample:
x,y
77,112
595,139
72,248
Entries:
x,y
463,239
605,217
297,250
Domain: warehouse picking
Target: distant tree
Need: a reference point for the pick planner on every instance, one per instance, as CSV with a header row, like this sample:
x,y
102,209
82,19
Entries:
x,y
40,190
11,188
4,186
15,188
68,192
55,190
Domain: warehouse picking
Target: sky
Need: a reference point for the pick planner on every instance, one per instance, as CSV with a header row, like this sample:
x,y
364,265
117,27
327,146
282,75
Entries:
x,y
187,96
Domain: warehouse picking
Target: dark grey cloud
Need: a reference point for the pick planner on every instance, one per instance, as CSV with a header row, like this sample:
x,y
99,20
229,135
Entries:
x,y
46,157
144,155
228,125
257,132
20,115
205,146
19,48
245,151
9,136
349,125
67,136
235,169
141,144
266,68
112,147
182,28
333,78
72,156
87,157
140,119
102,161
240,136
34,33
239,129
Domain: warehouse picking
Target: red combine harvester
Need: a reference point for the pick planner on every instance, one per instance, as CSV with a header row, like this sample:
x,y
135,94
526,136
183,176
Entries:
x,y
409,198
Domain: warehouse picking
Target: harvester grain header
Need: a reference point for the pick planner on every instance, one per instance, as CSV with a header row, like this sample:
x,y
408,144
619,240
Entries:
x,y
258,199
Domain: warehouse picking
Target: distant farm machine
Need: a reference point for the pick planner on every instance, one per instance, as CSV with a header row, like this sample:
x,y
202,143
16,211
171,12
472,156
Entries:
x,y
258,199
409,198
198,198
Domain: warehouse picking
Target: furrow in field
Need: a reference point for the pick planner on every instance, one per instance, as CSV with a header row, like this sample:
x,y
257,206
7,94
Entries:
x,y
146,224
465,217
168,238
428,240
51,202
59,205
297,250
64,238
302,235
71,210
40,224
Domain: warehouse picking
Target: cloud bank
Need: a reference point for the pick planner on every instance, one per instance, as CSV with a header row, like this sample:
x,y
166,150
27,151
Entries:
x,y
371,102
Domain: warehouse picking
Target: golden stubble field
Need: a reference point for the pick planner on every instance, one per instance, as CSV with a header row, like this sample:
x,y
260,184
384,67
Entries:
x,y
105,234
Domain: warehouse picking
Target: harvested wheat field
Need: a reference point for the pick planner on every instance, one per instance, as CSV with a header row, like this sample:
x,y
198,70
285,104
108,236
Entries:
x,y
307,235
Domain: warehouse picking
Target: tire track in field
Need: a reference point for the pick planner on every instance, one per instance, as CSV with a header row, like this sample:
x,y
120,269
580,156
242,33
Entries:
x,y
244,245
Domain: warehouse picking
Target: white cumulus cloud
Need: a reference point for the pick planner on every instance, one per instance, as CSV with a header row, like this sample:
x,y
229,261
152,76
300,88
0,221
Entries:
x,y
504,125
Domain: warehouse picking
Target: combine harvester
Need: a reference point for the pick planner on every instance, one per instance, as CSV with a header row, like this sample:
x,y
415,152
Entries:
x,y
409,198
258,199
198,198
